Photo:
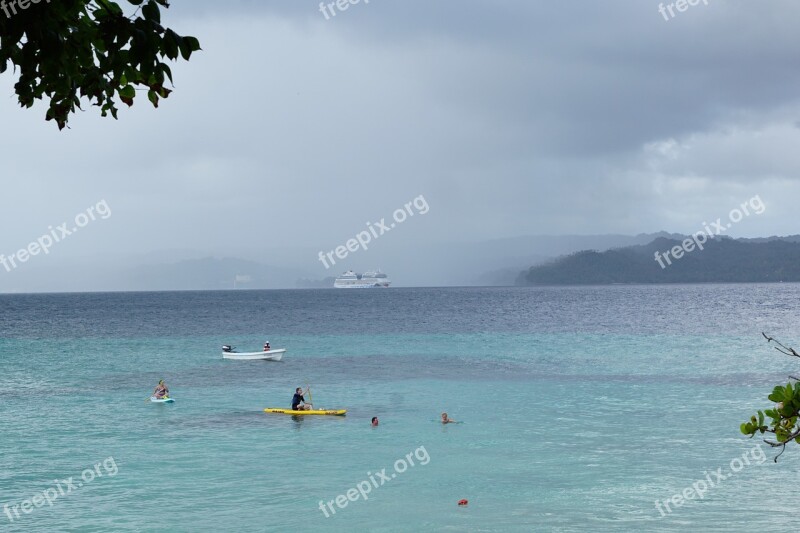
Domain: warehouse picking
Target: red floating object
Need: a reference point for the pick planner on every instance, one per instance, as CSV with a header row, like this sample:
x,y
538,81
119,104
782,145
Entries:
x,y
463,503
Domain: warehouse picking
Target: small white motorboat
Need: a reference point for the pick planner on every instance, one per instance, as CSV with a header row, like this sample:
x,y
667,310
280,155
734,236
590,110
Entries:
x,y
271,355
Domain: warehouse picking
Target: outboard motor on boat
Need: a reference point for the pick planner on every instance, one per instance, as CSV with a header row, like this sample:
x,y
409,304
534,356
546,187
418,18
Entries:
x,y
227,349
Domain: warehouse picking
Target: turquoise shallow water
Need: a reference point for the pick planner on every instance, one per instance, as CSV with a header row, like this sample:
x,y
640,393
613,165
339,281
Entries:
x,y
580,409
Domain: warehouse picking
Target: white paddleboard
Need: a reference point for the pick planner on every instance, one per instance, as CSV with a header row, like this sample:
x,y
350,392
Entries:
x,y
161,400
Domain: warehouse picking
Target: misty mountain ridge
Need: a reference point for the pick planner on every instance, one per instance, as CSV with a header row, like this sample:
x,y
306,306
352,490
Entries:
x,y
496,262
722,259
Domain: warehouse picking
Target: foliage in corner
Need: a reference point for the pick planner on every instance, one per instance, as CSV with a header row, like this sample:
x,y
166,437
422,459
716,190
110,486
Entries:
x,y
71,50
784,416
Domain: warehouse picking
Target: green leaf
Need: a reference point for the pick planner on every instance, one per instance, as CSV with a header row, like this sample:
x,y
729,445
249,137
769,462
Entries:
x,y
167,71
151,12
185,48
170,44
112,7
127,92
194,44
778,394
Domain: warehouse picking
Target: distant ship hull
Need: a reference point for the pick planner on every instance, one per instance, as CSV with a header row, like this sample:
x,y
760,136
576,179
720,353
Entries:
x,y
369,280
359,285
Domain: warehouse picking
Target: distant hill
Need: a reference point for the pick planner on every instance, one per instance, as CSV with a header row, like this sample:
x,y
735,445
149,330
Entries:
x,y
788,238
501,260
722,260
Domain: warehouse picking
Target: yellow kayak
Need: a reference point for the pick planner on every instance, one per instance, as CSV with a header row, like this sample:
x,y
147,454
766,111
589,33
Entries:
x,y
334,412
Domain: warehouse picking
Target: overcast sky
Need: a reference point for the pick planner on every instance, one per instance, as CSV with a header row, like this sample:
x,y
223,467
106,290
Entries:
x,y
510,117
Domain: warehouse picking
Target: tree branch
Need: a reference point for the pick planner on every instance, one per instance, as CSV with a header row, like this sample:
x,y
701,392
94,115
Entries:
x,y
781,348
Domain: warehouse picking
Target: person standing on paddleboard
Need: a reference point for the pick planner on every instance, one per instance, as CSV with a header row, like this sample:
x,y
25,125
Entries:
x,y
297,399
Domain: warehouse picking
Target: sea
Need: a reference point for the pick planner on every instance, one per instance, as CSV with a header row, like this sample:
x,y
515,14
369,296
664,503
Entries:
x,y
613,408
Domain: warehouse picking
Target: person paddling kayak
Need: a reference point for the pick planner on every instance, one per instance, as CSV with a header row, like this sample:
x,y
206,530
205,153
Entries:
x,y
161,390
297,399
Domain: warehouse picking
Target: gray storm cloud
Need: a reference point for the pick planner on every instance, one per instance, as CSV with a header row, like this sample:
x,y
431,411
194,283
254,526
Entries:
x,y
290,131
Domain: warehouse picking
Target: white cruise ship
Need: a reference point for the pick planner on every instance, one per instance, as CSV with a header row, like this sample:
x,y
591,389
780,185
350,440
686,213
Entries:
x,y
368,280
